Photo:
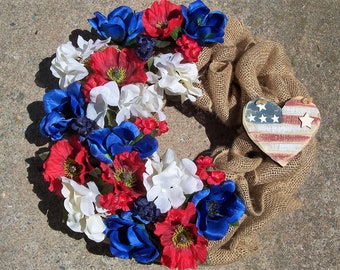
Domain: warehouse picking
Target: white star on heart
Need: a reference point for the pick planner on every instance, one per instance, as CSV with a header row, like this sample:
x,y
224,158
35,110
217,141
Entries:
x,y
251,118
261,107
306,120
275,119
263,118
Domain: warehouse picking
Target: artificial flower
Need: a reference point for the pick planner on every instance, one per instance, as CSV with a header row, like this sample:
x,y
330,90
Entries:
x,y
150,126
168,180
123,67
144,47
145,211
125,176
105,143
189,48
217,208
140,100
83,126
122,24
84,211
62,107
100,98
67,158
202,25
183,247
176,78
162,18
86,48
91,82
206,171
129,239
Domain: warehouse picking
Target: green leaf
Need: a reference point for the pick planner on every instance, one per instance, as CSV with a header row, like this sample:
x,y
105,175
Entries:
x,y
235,224
175,33
43,156
162,43
111,117
150,63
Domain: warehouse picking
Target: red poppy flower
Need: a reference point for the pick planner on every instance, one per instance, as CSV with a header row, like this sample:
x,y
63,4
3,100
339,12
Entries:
x,y
206,171
189,48
182,244
67,158
162,18
126,178
123,67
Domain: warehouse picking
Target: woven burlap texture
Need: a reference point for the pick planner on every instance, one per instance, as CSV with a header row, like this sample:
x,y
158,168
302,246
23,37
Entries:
x,y
232,74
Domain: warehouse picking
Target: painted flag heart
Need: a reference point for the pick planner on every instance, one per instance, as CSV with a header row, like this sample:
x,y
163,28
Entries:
x,y
281,133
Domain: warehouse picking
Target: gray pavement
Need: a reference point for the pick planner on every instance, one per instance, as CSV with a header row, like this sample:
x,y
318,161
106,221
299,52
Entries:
x,y
31,237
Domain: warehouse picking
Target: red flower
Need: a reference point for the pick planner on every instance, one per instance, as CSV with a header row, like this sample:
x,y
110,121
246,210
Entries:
x,y
126,178
123,67
150,126
162,18
182,244
67,158
206,171
189,48
92,81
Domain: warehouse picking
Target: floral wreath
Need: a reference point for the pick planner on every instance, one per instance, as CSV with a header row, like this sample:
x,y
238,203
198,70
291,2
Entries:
x,y
104,121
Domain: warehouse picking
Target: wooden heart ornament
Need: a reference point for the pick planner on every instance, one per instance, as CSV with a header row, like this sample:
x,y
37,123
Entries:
x,y
281,133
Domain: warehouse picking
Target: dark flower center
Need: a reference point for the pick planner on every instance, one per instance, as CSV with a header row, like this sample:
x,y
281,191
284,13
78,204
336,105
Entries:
x,y
213,208
116,74
162,25
182,238
71,168
125,176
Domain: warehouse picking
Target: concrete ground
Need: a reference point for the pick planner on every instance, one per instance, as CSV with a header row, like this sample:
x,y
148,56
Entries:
x,y
31,237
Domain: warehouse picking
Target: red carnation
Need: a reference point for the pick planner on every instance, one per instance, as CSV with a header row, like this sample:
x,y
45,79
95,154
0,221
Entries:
x,y
189,48
182,244
92,81
126,178
150,126
67,158
206,171
162,18
123,67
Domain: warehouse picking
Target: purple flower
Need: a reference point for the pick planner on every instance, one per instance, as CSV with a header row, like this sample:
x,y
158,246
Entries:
x,y
144,47
145,211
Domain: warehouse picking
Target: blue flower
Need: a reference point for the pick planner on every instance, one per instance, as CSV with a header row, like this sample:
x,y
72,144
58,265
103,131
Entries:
x,y
145,211
202,25
123,25
62,107
129,239
144,47
105,143
217,207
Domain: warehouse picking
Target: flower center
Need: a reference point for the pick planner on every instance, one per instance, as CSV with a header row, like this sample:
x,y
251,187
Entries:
x,y
162,25
182,238
125,176
213,209
116,74
71,168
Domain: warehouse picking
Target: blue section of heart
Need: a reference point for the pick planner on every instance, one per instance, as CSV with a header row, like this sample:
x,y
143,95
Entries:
x,y
272,114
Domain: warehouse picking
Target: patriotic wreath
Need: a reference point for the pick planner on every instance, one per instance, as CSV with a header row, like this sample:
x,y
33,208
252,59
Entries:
x,y
104,122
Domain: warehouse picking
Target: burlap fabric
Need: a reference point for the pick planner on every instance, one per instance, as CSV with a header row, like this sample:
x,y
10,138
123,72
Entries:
x,y
233,73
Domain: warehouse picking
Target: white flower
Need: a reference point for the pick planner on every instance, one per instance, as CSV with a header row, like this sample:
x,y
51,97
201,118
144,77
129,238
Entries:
x,y
67,66
176,78
84,211
169,179
139,100
100,98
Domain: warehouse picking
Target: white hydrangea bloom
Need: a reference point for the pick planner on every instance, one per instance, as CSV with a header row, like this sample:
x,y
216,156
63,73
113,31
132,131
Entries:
x,y
84,210
100,98
176,78
67,66
167,180
140,100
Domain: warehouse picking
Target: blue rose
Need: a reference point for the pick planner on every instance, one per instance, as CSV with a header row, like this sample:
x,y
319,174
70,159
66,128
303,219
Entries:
x,y
62,108
123,25
202,25
217,207
129,239
105,143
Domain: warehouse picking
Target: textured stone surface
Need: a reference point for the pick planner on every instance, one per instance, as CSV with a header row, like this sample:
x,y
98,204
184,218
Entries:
x,y
31,236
